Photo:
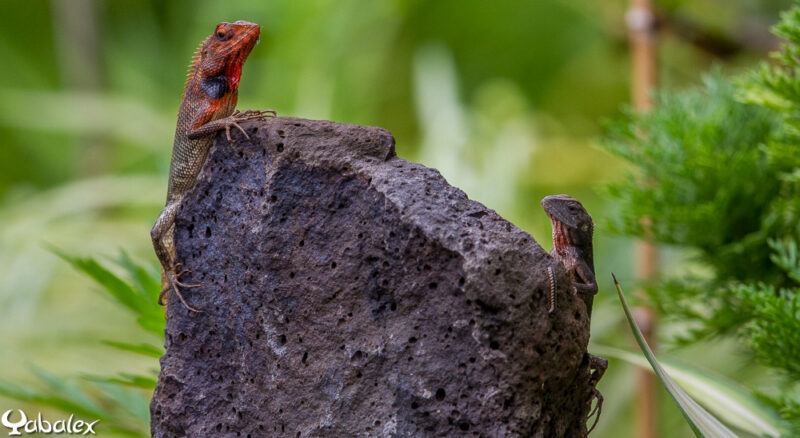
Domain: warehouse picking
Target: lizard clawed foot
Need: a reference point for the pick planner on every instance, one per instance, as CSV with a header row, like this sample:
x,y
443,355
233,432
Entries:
x,y
254,115
597,366
174,284
242,116
597,408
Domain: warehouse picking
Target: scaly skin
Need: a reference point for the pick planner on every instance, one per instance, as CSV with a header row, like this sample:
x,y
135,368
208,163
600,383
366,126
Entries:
x,y
573,230
209,99
572,243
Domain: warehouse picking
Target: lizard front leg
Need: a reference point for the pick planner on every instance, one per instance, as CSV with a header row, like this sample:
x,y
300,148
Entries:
x,y
585,285
162,236
229,122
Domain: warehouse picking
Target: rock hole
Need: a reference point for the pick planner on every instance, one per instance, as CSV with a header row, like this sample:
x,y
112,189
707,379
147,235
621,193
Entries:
x,y
412,340
414,405
464,426
333,265
433,285
494,345
302,243
440,394
291,275
279,147
282,339
305,358
208,232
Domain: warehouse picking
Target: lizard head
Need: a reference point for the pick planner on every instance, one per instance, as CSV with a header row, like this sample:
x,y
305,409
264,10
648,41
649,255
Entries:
x,y
223,53
568,217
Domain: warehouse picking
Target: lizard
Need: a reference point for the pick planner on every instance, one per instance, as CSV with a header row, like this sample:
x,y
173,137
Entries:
x,y
572,243
207,106
573,230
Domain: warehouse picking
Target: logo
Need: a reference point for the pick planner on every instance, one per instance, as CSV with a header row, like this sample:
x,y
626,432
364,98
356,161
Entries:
x,y
39,425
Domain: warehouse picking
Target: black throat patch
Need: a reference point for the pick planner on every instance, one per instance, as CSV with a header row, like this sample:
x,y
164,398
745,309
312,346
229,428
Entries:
x,y
215,86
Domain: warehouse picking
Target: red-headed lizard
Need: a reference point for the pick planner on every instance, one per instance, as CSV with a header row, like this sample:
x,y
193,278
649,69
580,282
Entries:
x,y
209,100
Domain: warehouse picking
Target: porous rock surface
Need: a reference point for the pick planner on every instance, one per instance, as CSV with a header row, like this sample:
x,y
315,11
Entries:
x,y
348,292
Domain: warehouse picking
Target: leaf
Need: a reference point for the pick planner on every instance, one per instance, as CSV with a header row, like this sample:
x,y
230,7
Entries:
x,y
69,390
702,423
144,349
145,282
134,402
63,402
153,324
729,401
114,285
125,379
141,296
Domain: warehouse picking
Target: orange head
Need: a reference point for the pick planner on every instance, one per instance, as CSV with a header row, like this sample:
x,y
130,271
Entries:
x,y
223,53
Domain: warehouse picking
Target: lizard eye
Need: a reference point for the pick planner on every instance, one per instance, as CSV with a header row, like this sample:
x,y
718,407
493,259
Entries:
x,y
221,35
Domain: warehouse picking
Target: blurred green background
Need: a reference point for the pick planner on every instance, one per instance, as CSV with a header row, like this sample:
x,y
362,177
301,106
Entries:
x,y
507,99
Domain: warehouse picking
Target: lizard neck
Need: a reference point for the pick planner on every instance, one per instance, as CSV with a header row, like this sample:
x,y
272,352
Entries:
x,y
572,242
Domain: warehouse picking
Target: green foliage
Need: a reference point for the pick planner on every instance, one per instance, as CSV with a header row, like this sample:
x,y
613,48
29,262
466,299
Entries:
x,y
729,401
140,295
717,172
703,424
121,412
120,402
773,328
703,178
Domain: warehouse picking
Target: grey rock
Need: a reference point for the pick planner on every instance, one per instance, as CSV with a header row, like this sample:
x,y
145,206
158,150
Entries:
x,y
348,292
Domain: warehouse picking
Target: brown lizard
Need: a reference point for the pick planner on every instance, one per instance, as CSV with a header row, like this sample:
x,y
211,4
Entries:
x,y
573,230
209,100
572,243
